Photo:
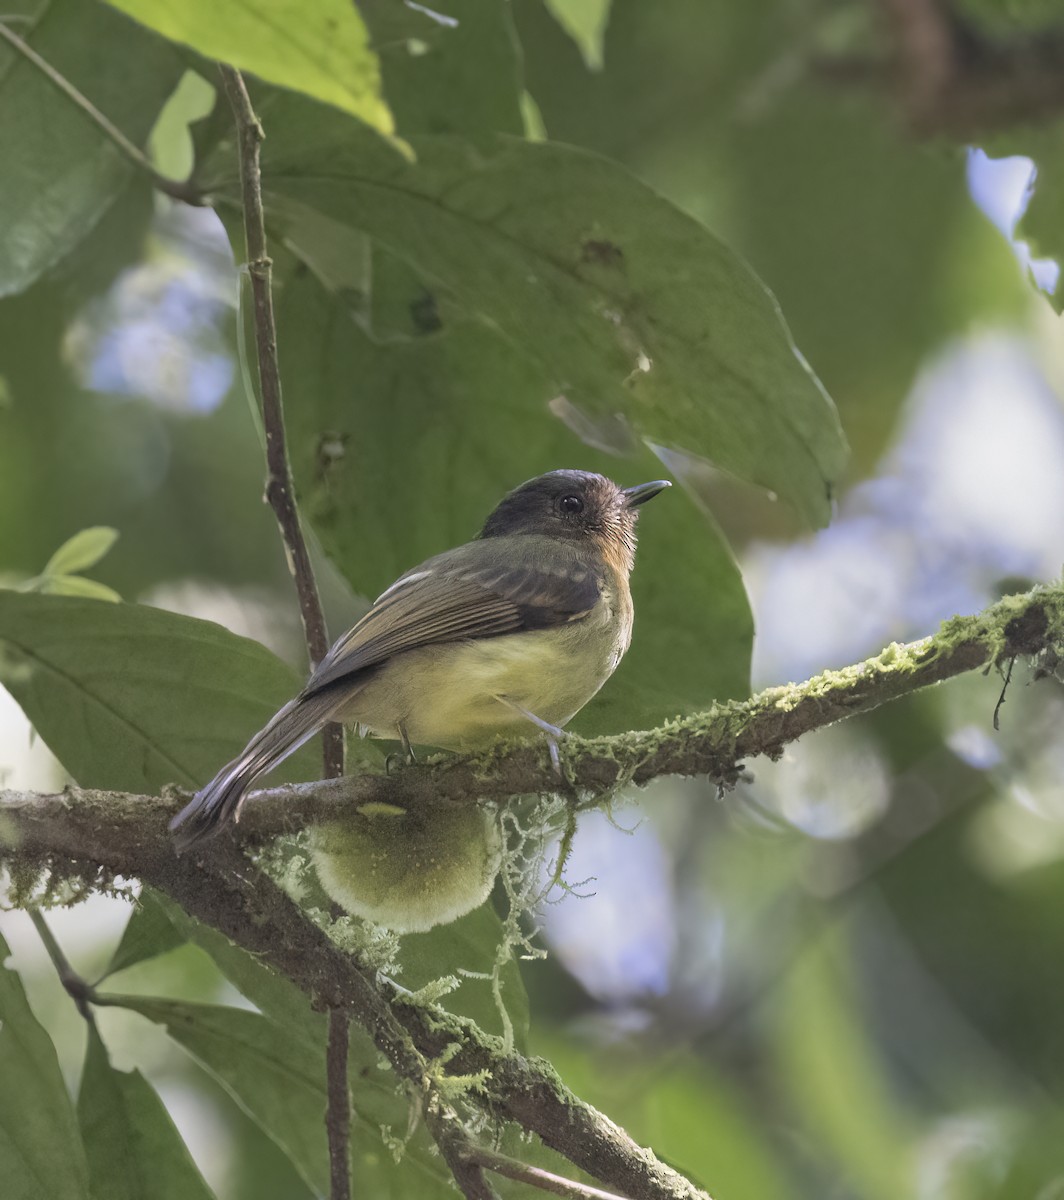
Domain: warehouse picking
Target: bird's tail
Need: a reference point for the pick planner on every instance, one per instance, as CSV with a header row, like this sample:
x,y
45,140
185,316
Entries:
x,y
218,804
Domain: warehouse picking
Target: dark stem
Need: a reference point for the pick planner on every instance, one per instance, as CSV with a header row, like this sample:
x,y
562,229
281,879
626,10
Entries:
x,y
280,493
338,1110
172,187
457,1151
77,988
951,78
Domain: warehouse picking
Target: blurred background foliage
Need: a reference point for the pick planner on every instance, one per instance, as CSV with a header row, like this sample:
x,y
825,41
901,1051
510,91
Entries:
x,y
844,979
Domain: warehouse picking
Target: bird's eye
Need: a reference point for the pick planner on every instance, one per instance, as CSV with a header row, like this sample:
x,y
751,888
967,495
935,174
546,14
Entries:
x,y
571,504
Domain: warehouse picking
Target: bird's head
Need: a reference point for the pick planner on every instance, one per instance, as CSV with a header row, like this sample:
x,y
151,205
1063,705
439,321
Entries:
x,y
576,505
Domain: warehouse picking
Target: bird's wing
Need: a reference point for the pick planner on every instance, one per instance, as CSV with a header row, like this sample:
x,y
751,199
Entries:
x,y
467,593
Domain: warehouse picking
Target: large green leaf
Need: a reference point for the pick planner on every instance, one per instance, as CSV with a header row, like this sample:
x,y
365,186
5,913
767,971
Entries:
x,y
693,1117
60,173
277,1075
133,697
41,1155
836,1087
626,304
469,944
436,91
132,1146
867,236
321,49
461,418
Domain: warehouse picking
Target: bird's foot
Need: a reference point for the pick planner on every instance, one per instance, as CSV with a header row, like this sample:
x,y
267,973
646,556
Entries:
x,y
408,750
554,733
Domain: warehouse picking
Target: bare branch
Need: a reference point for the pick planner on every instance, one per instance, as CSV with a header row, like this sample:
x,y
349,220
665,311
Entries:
x,y
536,1177
454,1145
338,1104
950,77
78,989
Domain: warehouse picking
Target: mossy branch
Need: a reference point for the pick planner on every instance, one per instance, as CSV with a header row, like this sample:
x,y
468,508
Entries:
x,y
101,834
113,828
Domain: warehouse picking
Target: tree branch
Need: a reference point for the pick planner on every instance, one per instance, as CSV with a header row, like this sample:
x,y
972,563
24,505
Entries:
x,y
536,1177
112,828
100,834
177,189
280,492
223,889
78,989
338,1103
952,78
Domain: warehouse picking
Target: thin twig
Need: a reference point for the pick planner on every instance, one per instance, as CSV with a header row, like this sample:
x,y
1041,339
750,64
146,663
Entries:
x,y
448,1133
338,1104
280,492
1004,690
178,189
79,990
536,1177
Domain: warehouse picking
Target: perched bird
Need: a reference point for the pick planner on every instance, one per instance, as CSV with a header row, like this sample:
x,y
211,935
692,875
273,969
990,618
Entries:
x,y
518,628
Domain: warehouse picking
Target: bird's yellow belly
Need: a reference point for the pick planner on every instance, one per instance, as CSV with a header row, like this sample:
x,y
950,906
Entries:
x,y
447,695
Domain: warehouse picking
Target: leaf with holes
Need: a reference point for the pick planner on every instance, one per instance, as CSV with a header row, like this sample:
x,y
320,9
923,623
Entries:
x,y
626,304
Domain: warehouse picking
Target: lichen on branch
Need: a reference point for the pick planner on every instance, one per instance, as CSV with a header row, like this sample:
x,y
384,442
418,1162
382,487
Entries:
x,y
97,836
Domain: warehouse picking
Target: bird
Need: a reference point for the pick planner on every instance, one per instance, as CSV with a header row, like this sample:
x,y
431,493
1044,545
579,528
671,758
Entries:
x,y
511,632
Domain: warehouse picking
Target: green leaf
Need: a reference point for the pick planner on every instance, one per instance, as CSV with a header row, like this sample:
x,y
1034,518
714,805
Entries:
x,y
277,1075
435,91
625,303
585,22
41,1155
870,243
465,421
838,1090
82,551
274,995
692,1117
320,49
60,173
132,697
149,932
76,585
469,944
132,1146
376,1099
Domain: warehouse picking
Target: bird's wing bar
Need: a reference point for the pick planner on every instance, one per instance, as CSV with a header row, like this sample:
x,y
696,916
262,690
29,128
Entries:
x,y
465,593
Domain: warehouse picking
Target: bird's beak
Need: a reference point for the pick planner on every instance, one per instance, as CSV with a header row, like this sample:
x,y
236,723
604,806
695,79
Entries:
x,y
642,492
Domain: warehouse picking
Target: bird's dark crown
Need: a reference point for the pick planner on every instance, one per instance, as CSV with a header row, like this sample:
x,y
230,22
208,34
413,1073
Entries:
x,y
570,504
